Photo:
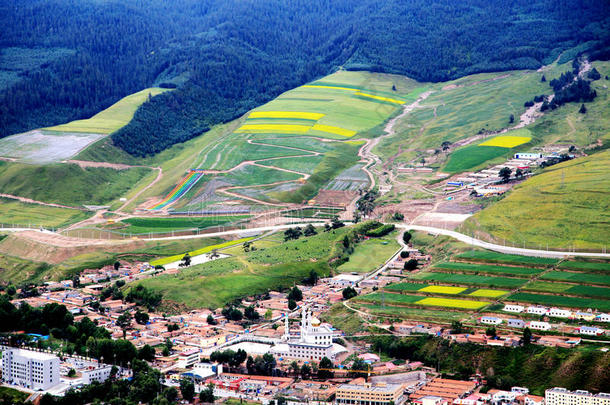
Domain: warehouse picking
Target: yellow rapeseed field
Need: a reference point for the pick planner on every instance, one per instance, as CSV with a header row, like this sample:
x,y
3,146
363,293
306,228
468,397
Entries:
x,y
442,289
390,100
314,86
506,141
334,130
286,114
487,293
285,128
452,303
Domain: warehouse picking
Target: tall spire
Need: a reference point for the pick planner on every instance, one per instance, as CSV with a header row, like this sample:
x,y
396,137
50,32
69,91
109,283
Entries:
x,y
286,328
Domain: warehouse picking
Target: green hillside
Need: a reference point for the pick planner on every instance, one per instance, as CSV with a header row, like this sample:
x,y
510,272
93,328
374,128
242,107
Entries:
x,y
567,205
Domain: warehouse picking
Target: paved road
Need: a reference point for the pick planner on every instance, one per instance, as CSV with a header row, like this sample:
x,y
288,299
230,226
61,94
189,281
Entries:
x,y
437,231
499,248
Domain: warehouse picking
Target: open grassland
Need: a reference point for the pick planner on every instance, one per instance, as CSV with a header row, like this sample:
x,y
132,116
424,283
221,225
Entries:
x,y
18,213
113,118
585,278
561,301
486,268
462,108
370,254
274,266
305,164
468,279
495,257
565,206
592,267
67,184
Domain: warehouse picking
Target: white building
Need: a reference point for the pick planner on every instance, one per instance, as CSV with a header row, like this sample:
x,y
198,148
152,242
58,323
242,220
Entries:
x,y
603,318
345,280
29,369
99,374
561,396
490,320
590,330
584,316
560,313
520,390
188,358
537,310
514,308
314,342
528,156
516,323
539,325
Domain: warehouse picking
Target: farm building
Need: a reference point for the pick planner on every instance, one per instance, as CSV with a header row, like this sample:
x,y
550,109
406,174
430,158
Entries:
x,y
529,156
585,316
590,330
345,280
490,320
603,318
539,325
559,313
516,323
537,310
514,308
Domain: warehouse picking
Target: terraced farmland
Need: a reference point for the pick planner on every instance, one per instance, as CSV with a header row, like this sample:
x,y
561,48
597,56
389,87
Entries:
x,y
561,301
585,278
495,257
474,279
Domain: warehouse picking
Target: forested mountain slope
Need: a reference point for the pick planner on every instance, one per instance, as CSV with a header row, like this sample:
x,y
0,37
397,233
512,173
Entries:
x,y
227,56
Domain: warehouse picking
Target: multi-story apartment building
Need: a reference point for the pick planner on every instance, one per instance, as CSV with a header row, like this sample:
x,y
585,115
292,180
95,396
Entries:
x,y
562,396
355,393
29,369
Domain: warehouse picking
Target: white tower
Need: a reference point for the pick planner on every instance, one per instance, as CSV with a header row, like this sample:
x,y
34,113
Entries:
x,y
286,328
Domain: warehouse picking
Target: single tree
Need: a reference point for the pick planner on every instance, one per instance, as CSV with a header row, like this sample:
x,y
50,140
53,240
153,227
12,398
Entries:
x,y
268,314
519,173
171,394
147,352
210,320
186,260
411,264
349,293
11,290
491,332
511,119
117,265
543,79
583,109
404,254
295,294
457,327
393,87
71,373
294,366
124,322
406,237
76,281
309,230
250,313
292,305
505,173
141,317
305,371
207,395
324,369
187,389
527,336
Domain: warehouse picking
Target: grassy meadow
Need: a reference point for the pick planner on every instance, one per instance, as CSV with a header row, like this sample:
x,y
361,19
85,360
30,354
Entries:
x,y
113,118
565,206
370,254
18,213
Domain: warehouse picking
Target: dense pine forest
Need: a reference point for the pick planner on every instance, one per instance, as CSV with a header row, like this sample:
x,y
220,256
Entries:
x,y
227,56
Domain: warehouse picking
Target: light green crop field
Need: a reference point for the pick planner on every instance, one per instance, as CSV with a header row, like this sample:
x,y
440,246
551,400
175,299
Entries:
x,y
18,213
113,118
584,278
412,313
159,225
485,268
495,257
570,289
559,300
470,279
564,206
593,267
371,254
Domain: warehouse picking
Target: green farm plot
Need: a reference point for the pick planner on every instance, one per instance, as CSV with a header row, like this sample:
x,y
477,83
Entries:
x,y
113,118
300,142
370,254
159,225
569,289
589,291
399,287
585,266
495,257
473,156
314,212
562,301
18,213
468,279
545,286
412,313
485,268
68,184
271,266
585,278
